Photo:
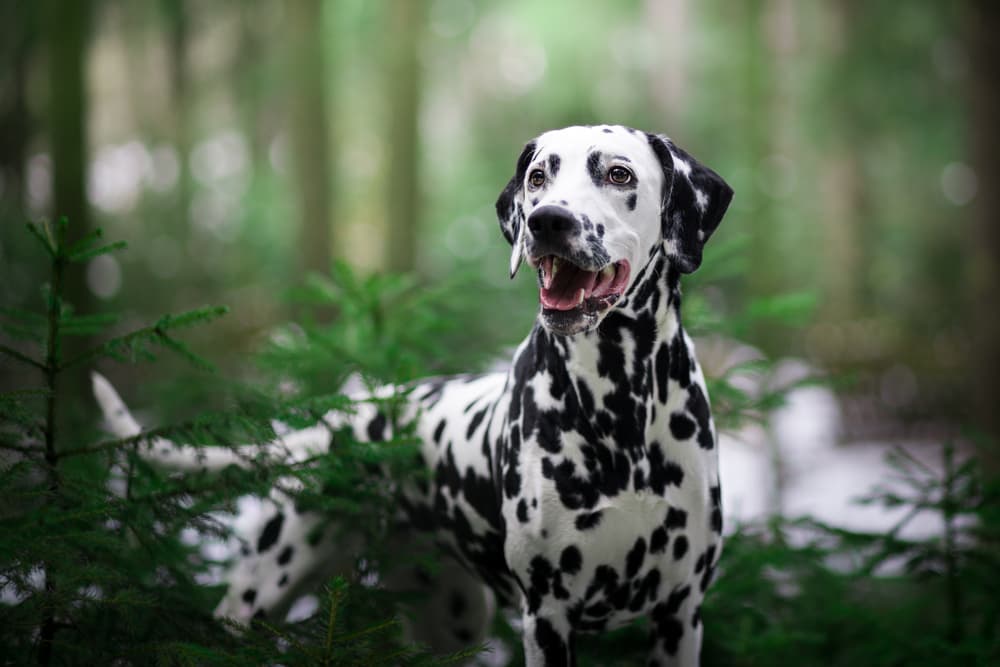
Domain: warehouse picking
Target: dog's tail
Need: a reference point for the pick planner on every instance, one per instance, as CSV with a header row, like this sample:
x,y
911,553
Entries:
x,y
292,446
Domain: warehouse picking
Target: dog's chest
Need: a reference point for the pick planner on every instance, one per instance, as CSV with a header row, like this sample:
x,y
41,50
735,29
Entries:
x,y
605,542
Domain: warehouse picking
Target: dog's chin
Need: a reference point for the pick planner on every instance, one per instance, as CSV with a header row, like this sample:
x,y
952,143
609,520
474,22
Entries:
x,y
570,322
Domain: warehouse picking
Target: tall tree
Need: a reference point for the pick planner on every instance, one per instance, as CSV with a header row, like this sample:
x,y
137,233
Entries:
x,y
402,197
66,26
984,94
178,35
668,79
845,204
17,38
310,134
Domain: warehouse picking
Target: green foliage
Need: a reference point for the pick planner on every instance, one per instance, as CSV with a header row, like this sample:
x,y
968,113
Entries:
x,y
388,326
812,594
93,569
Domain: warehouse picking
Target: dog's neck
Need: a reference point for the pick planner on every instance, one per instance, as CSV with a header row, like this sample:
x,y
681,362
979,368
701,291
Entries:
x,y
609,380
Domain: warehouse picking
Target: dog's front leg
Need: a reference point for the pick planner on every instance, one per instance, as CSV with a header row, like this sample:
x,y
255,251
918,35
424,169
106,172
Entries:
x,y
675,631
548,639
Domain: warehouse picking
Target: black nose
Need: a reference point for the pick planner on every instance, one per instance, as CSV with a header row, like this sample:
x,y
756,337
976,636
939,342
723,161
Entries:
x,y
552,223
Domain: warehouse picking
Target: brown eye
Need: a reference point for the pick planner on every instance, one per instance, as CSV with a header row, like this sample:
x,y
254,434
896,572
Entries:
x,y
536,178
619,175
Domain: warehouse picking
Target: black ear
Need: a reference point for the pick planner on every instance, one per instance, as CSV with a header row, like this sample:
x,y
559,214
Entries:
x,y
510,209
694,200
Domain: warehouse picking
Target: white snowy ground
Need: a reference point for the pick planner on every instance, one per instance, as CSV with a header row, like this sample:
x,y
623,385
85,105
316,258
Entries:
x,y
796,465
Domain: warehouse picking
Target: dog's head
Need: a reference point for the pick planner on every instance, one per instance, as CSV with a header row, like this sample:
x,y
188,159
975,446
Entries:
x,y
588,207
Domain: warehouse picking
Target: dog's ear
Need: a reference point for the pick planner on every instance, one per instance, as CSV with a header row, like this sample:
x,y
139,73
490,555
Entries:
x,y
694,200
510,208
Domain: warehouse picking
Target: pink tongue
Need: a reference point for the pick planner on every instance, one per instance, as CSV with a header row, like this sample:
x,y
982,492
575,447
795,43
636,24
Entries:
x,y
564,292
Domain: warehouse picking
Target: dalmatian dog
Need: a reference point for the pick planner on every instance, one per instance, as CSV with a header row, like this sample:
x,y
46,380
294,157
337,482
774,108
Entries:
x,y
582,484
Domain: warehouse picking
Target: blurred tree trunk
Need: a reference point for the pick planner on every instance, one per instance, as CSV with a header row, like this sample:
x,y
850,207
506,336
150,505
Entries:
x,y
984,359
66,26
17,37
757,99
668,76
250,88
310,137
404,31
845,204
176,13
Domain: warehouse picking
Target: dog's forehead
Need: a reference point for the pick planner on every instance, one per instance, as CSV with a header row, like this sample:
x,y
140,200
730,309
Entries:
x,y
579,142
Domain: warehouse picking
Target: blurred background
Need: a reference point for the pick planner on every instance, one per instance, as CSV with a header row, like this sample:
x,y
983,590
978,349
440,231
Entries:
x,y
239,146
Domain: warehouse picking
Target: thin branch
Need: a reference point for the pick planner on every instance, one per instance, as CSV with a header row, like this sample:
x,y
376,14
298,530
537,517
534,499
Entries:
x,y
11,352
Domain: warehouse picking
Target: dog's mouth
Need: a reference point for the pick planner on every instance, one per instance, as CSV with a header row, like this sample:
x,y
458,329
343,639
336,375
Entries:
x,y
568,288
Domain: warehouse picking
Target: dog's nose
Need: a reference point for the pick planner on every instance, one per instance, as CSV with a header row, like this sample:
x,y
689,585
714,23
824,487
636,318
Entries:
x,y
552,222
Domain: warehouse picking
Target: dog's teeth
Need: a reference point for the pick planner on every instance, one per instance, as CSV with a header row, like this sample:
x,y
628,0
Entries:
x,y
608,271
579,297
555,265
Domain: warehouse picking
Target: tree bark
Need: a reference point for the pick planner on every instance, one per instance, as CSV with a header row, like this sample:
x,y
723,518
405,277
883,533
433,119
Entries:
x,y
310,138
67,25
402,184
178,35
984,98
17,38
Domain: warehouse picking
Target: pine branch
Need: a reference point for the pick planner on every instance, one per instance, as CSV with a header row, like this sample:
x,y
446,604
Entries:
x,y
24,359
48,628
41,232
157,333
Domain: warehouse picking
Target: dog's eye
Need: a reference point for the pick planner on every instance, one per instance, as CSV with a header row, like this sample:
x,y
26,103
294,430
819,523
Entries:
x,y
619,175
536,178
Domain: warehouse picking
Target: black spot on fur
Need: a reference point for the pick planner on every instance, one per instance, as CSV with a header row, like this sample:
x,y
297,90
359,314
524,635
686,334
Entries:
x,y
630,202
680,547
662,473
376,427
474,423
676,518
594,168
249,595
658,540
540,570
271,532
680,362
681,426
600,230
697,404
283,581
635,557
286,555
588,520
554,161
439,430
706,577
716,494
553,646
571,560
522,511
662,371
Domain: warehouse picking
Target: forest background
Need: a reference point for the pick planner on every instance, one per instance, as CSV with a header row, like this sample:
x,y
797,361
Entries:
x,y
240,147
